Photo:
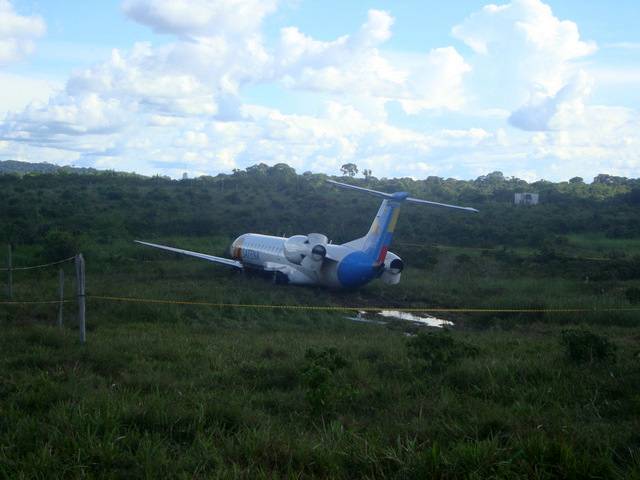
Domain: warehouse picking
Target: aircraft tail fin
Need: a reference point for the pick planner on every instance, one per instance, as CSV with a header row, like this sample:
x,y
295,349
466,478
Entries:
x,y
378,239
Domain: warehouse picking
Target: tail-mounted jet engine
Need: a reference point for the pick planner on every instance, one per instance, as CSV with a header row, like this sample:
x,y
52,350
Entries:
x,y
393,266
308,249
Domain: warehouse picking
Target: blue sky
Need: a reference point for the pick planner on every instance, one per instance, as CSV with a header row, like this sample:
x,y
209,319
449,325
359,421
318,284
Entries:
x,y
534,89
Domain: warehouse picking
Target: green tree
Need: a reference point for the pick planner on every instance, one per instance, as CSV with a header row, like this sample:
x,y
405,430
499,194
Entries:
x,y
59,244
350,169
258,169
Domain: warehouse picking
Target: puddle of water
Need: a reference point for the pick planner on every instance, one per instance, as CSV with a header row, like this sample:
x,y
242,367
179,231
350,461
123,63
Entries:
x,y
427,320
410,317
360,317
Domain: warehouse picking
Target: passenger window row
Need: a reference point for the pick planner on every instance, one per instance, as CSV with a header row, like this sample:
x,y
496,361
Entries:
x,y
263,247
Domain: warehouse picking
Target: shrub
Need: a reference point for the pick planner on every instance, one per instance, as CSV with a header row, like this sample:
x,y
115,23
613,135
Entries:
x,y
328,358
322,389
319,391
582,346
423,257
59,244
436,351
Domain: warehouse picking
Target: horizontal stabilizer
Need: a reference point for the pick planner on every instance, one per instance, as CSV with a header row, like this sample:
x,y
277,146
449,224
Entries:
x,y
398,196
427,202
361,189
204,256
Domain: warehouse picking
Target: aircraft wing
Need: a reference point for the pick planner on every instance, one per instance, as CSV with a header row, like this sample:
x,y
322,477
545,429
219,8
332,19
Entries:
x,y
204,256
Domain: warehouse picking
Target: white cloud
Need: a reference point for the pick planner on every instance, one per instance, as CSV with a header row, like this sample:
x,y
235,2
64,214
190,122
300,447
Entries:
x,y
17,91
208,18
344,134
354,65
193,139
617,77
147,86
79,124
347,64
164,80
557,111
603,133
17,33
376,30
436,81
178,106
522,49
624,45
199,78
530,57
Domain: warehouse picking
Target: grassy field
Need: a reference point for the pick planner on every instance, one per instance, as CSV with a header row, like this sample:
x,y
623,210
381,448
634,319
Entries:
x,y
185,391
602,244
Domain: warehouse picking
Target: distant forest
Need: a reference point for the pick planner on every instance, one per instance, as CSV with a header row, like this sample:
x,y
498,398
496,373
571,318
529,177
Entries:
x,y
21,168
69,207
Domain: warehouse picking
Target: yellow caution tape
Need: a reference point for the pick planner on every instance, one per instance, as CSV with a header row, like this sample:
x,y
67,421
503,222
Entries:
x,y
38,266
37,302
370,309
331,307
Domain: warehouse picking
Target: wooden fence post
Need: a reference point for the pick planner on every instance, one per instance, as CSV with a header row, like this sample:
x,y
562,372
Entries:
x,y
61,292
9,274
81,297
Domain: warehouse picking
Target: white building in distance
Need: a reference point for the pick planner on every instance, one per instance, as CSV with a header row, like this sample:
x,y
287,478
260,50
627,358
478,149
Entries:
x,y
526,199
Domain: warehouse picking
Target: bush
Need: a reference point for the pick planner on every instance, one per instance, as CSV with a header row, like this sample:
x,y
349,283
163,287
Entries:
x,y
328,358
319,377
319,391
59,244
436,351
584,346
423,257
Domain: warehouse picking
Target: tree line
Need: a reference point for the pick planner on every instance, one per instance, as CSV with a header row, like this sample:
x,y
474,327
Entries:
x,y
104,206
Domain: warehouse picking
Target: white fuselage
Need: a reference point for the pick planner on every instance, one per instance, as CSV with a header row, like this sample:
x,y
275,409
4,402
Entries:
x,y
341,266
265,252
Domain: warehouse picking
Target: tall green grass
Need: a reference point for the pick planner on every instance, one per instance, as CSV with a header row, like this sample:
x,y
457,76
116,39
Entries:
x,y
185,391
189,398
602,244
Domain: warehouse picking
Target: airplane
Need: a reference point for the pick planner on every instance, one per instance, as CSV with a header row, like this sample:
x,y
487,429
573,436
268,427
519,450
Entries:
x,y
312,260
